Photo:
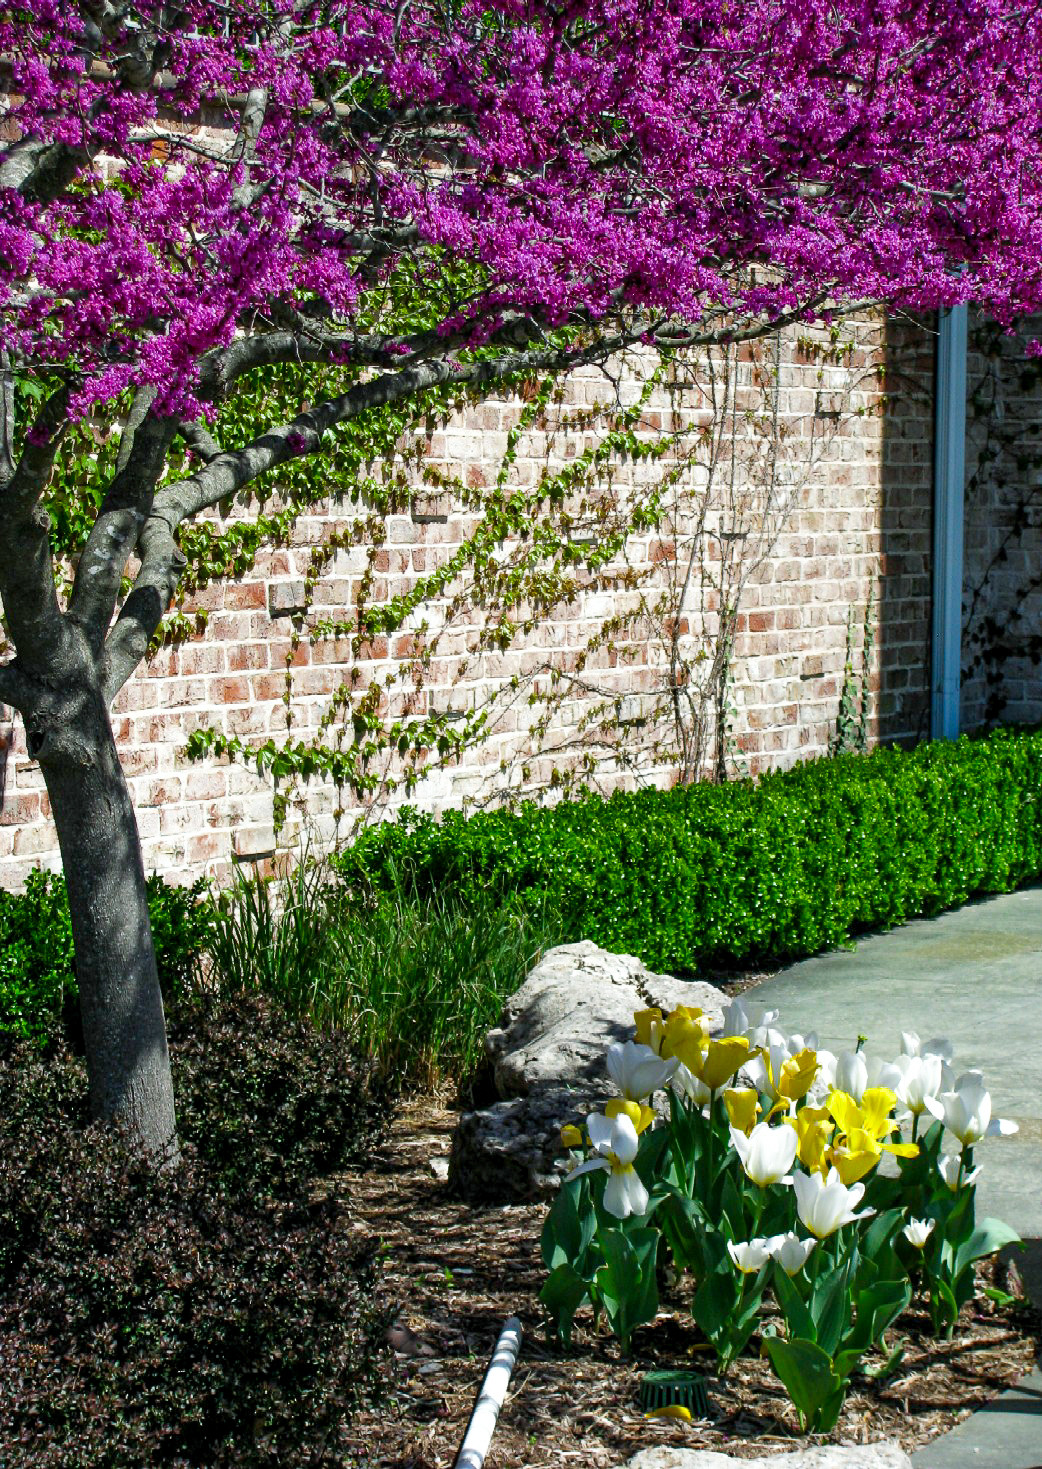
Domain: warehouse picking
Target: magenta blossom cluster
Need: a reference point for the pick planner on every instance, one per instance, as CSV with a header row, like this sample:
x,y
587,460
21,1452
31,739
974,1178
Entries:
x,y
674,165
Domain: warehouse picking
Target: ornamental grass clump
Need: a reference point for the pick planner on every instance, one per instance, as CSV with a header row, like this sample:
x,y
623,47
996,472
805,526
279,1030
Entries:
x,y
764,1182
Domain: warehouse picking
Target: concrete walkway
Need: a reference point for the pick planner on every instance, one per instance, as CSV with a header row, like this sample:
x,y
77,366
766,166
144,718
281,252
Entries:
x,y
975,977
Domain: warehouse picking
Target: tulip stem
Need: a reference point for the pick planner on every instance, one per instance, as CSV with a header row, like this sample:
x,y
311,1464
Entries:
x,y
710,1142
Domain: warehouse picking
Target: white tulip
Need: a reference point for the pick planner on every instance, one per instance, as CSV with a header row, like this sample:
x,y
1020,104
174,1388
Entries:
x,y
791,1252
767,1153
763,1071
948,1165
741,1017
686,1084
824,1204
852,1074
824,1081
911,1045
885,1073
967,1112
636,1070
615,1142
749,1255
797,1042
918,1231
624,1194
923,1078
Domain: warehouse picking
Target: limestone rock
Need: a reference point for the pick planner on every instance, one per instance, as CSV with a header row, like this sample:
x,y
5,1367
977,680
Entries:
x,y
576,1001
883,1455
507,1153
548,1062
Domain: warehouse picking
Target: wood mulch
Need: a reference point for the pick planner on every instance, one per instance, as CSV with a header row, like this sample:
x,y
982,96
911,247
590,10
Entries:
x,y
454,1271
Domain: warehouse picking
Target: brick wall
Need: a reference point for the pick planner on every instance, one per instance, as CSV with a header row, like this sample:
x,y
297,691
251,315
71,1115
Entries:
x,y
809,495
1002,602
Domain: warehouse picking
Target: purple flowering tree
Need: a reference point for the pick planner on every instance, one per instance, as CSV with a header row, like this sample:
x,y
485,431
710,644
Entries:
x,y
191,192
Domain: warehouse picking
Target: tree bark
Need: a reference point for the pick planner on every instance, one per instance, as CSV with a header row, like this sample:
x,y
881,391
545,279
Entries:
x,y
121,1004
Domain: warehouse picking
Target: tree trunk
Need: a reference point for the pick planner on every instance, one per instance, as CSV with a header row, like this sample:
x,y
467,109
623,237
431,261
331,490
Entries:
x,y
124,1028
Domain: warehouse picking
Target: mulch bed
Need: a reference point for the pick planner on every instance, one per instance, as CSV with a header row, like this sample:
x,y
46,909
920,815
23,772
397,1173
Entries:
x,y
455,1271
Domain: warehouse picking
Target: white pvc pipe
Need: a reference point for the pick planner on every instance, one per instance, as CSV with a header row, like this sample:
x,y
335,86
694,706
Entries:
x,y
483,1420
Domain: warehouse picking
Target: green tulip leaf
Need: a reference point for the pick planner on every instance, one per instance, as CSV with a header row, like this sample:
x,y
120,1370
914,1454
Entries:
x,y
562,1294
989,1236
798,1320
626,1283
715,1301
830,1305
808,1377
569,1227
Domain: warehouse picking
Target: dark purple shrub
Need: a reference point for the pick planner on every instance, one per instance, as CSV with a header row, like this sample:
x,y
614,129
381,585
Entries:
x,y
187,1318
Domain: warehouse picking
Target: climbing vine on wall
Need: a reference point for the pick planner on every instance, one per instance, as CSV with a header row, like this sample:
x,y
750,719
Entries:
x,y
1003,583
669,510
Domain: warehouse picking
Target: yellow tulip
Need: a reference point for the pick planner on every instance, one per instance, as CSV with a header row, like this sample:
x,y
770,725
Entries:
x,y
813,1130
671,1410
743,1108
861,1150
571,1137
877,1103
852,1161
641,1116
797,1075
685,1031
649,1028
720,1061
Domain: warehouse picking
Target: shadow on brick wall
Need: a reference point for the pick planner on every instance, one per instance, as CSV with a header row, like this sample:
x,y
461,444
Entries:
x,y
6,740
902,701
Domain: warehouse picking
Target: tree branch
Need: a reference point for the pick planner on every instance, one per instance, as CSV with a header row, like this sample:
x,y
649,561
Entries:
x,y
162,562
199,439
236,468
253,113
6,418
27,588
40,171
15,689
115,532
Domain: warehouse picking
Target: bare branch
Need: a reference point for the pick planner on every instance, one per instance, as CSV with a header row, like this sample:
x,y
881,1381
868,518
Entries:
x,y
39,170
142,402
199,439
27,587
6,418
253,113
162,562
236,468
115,532
15,689
305,342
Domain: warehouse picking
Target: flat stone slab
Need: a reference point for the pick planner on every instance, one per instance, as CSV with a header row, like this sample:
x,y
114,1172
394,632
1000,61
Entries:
x,y
885,1455
1005,1434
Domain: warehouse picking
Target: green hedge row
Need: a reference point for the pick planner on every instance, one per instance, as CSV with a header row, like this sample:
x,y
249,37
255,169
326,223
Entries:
x,y
746,873
37,966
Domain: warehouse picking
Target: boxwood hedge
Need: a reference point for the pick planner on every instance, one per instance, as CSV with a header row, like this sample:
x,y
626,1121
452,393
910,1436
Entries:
x,y
750,872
